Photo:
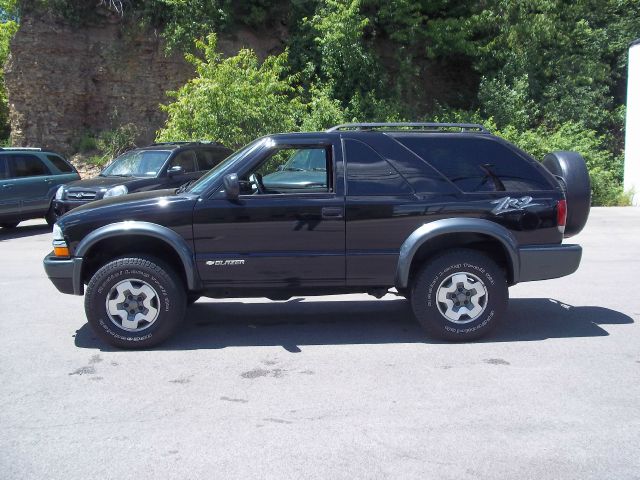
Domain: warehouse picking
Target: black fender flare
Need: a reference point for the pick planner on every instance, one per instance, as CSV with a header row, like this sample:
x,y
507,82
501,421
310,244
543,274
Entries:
x,y
432,230
147,229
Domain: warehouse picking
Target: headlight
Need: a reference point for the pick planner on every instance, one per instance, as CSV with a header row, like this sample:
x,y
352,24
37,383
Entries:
x,y
60,247
60,192
57,232
116,191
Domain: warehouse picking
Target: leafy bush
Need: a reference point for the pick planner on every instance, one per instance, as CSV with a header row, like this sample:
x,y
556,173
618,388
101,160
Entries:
x,y
233,100
86,143
115,142
8,28
605,169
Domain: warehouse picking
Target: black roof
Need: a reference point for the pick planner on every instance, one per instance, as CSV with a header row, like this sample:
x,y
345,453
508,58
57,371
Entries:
x,y
174,145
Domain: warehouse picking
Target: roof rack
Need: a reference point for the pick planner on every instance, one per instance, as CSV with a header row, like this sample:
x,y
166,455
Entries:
x,y
186,142
27,149
155,144
464,127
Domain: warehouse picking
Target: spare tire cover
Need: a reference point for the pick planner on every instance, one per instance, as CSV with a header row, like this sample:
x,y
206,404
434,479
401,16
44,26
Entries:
x,y
572,168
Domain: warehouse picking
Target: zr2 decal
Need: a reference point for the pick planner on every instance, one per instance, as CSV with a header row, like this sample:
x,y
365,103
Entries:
x,y
508,204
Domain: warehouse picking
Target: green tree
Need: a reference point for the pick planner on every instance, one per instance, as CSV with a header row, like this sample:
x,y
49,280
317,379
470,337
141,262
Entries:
x,y
8,28
233,100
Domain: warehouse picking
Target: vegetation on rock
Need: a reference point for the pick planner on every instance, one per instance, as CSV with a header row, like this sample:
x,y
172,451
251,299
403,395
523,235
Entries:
x,y
545,74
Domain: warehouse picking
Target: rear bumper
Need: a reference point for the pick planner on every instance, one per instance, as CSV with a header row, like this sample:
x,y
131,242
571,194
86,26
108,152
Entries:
x,y
545,262
65,274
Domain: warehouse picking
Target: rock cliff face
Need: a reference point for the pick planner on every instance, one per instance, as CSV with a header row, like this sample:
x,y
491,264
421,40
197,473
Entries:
x,y
64,81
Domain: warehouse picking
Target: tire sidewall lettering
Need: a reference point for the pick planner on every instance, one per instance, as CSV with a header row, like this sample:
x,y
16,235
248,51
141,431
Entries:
x,y
133,274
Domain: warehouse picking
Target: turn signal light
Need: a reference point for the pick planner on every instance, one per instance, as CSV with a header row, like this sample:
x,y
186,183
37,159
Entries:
x,y
61,251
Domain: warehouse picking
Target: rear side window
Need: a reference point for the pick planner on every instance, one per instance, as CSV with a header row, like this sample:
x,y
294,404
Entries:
x,y
207,159
477,164
370,174
4,168
28,166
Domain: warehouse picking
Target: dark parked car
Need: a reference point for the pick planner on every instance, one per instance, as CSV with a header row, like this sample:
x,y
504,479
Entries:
x,y
29,178
161,165
448,215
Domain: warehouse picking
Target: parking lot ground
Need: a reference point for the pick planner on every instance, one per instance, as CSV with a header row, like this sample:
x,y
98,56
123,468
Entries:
x,y
330,387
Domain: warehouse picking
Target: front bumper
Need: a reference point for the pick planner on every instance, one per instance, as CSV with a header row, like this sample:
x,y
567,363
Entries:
x,y
65,273
545,262
63,206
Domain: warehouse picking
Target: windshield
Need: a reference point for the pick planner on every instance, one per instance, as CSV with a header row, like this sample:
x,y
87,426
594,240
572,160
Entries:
x,y
136,163
214,174
307,159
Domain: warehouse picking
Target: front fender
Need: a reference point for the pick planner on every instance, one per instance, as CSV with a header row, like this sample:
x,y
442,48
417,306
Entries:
x,y
436,228
175,241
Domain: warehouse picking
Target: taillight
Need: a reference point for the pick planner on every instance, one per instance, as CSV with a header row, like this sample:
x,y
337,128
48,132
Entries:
x,y
561,210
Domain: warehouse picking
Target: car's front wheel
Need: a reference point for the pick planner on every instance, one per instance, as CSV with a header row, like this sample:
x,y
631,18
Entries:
x,y
51,216
459,295
135,302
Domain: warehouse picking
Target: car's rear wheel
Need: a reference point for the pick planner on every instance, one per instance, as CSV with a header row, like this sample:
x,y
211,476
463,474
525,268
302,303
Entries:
x,y
135,302
459,295
9,225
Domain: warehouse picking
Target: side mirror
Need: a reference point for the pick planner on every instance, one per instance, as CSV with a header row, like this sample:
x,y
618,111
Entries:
x,y
175,170
231,186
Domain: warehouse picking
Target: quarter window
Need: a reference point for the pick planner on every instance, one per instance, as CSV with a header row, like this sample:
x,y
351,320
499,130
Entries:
x,y
60,164
477,164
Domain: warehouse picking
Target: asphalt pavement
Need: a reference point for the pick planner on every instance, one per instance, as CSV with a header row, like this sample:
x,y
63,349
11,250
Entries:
x,y
343,387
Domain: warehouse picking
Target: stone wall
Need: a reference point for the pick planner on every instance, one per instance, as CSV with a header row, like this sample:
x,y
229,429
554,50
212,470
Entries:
x,y
64,81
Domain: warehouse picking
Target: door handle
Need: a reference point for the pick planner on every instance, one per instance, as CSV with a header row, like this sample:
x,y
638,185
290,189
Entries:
x,y
332,212
7,185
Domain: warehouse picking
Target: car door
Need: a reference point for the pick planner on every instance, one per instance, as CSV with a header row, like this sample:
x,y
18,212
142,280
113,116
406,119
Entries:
x,y
9,202
271,239
186,159
31,180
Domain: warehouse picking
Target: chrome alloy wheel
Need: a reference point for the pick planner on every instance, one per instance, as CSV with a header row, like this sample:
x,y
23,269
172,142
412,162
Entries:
x,y
462,297
133,305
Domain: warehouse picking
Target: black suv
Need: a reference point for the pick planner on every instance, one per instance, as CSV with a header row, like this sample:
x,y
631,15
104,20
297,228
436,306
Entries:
x,y
447,214
161,165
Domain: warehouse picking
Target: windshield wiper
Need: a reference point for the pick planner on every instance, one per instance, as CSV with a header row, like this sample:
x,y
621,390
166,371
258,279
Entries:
x,y
293,169
118,175
184,186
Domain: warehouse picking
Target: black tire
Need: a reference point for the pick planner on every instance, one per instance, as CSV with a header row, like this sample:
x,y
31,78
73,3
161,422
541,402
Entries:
x,y
9,225
572,168
170,299
436,274
51,217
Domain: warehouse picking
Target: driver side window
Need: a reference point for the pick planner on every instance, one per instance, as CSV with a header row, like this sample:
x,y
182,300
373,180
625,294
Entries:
x,y
290,170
